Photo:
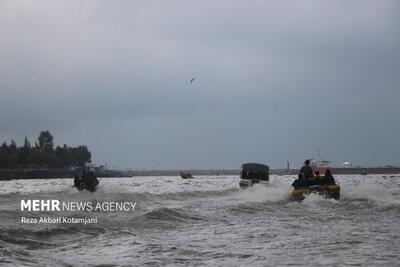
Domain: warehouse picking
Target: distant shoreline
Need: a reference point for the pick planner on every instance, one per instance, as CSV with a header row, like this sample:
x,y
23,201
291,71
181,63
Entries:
x,y
358,170
8,174
11,174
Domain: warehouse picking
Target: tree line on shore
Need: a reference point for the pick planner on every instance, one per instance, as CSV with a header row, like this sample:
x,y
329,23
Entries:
x,y
42,154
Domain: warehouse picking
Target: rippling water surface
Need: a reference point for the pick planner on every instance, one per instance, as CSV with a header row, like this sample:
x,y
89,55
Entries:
x,y
207,221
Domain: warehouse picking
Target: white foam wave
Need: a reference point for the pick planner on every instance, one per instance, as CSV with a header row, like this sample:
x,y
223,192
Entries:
x,y
313,199
275,191
370,191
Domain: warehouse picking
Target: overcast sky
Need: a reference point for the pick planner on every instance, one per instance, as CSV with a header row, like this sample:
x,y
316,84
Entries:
x,y
276,81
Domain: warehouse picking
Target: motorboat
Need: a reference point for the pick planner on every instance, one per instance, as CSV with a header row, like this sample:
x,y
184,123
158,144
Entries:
x,y
86,182
253,173
186,175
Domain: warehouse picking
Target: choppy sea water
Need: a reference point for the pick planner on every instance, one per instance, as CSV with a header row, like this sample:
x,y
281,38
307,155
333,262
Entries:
x,y
207,221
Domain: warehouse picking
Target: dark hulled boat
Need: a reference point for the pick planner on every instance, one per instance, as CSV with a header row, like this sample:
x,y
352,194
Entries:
x,y
186,175
253,173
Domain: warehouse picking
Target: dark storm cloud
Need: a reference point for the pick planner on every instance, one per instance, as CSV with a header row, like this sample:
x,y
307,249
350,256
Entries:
x,y
276,81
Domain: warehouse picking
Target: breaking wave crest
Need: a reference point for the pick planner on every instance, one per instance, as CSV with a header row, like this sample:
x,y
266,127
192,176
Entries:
x,y
372,192
275,191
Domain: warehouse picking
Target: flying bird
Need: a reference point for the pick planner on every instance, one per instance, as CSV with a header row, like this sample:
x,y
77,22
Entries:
x,y
194,78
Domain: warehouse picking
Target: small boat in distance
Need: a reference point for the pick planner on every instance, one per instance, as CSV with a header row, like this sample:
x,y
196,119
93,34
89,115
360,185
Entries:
x,y
186,175
320,165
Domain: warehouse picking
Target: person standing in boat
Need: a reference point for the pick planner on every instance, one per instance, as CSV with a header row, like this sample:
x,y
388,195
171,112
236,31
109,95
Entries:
x,y
307,170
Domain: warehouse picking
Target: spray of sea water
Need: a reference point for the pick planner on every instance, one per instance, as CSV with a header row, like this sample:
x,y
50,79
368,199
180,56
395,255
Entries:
x,y
206,221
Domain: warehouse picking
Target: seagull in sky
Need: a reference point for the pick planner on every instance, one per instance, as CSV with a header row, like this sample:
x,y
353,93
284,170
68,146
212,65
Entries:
x,y
194,78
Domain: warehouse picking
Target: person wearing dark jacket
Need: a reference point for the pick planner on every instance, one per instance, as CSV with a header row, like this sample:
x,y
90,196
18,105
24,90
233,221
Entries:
x,y
328,178
307,170
300,181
